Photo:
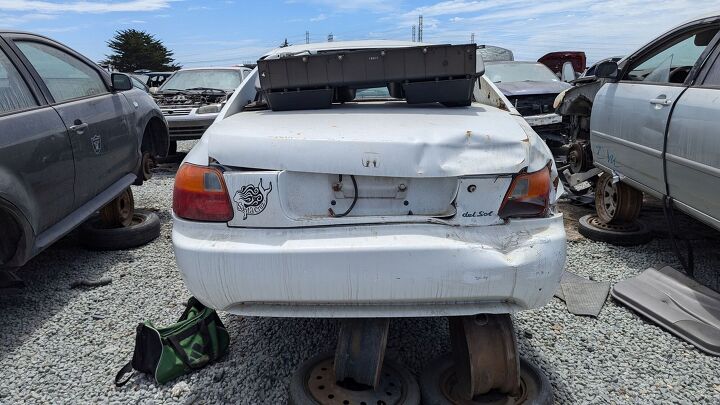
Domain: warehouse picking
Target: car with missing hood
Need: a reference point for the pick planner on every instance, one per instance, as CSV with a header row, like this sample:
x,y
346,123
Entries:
x,y
315,204
190,99
531,88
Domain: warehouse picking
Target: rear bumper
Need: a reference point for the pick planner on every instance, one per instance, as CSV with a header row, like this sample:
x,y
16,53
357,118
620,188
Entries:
x,y
396,270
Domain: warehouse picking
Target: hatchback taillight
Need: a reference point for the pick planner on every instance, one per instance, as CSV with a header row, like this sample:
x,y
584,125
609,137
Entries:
x,y
200,194
528,195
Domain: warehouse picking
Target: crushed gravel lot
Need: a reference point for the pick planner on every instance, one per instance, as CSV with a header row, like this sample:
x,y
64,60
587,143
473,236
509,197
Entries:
x,y
62,345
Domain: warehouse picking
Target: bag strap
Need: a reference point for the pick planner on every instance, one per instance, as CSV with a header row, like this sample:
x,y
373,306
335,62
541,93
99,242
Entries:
x,y
180,352
201,328
207,341
124,370
192,303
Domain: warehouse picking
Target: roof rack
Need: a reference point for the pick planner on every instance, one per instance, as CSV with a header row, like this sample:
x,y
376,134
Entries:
x,y
421,74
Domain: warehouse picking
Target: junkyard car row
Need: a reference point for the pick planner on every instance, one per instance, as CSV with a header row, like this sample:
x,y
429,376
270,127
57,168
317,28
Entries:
x,y
366,181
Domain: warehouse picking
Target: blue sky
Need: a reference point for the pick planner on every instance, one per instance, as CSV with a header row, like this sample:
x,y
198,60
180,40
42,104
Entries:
x,y
222,32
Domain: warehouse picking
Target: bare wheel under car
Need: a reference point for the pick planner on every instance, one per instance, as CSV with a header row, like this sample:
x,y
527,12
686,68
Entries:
x,y
119,211
616,203
484,368
314,382
120,226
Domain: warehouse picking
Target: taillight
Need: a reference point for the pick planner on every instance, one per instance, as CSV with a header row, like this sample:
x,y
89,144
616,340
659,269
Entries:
x,y
200,194
528,195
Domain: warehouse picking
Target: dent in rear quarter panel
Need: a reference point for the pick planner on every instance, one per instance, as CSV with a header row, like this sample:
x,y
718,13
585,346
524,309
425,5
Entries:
x,y
533,256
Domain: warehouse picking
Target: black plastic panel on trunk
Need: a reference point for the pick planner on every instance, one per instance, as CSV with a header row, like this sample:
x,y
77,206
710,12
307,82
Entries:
x,y
422,74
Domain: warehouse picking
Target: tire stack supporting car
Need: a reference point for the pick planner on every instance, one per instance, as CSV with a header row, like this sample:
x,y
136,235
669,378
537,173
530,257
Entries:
x,y
120,226
485,368
618,207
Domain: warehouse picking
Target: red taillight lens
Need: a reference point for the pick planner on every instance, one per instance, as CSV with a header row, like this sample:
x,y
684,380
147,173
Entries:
x,y
528,195
200,194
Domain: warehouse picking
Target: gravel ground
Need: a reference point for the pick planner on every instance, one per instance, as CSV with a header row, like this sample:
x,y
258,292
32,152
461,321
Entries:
x,y
62,345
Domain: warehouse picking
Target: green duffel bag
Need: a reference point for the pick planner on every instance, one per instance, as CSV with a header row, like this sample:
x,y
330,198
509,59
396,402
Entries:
x,y
196,340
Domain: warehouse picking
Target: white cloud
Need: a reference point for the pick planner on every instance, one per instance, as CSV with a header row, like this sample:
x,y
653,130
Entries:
x,y
12,20
319,17
459,7
83,6
531,29
375,6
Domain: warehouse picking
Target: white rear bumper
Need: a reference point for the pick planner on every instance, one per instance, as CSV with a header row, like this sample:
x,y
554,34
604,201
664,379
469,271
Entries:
x,y
392,270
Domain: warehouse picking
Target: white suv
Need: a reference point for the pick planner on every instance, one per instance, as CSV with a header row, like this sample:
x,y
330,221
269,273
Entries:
x,y
371,207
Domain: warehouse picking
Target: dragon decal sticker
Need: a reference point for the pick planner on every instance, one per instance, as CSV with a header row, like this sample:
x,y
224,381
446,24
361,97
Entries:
x,y
252,199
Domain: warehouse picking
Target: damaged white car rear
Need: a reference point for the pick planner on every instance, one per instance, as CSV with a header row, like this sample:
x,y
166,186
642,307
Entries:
x,y
340,202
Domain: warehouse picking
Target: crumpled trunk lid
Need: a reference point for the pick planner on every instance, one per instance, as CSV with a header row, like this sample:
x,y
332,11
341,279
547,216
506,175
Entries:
x,y
374,139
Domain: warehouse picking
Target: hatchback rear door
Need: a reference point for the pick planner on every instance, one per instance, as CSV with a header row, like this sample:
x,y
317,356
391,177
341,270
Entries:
x,y
104,146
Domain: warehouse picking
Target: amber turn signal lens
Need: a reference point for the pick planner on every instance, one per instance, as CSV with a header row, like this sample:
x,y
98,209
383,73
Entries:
x,y
200,194
528,195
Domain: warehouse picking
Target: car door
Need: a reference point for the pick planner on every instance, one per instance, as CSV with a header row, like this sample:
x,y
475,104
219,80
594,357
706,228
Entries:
x,y
104,147
37,172
693,146
629,118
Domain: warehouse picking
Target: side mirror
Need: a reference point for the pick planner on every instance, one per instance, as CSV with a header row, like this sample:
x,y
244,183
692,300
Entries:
x,y
607,70
568,72
121,82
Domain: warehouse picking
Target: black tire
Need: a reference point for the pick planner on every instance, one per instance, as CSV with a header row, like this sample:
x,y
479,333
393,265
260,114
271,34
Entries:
x,y
144,229
298,393
172,149
537,386
632,234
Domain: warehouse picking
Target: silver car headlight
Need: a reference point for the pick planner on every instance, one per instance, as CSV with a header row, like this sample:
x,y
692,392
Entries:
x,y
209,109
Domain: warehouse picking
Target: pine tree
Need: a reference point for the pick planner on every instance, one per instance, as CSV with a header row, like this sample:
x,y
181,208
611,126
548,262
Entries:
x,y
135,50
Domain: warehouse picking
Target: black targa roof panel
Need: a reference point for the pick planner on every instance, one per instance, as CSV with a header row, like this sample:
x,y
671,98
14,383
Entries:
x,y
676,303
421,74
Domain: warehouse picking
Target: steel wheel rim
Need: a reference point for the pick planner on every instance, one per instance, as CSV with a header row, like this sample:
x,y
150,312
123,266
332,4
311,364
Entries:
x,y
625,227
575,158
147,165
321,385
449,384
493,365
610,199
125,209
